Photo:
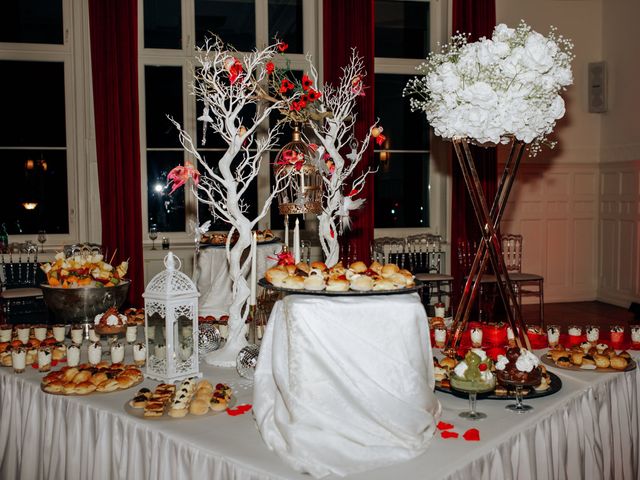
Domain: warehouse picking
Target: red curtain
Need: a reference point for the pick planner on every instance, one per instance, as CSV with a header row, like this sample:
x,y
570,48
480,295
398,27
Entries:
x,y
114,60
477,19
346,25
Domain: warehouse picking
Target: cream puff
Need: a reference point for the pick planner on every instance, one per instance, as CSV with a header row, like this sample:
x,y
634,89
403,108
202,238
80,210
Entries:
x,y
389,269
294,282
358,267
361,283
314,282
337,285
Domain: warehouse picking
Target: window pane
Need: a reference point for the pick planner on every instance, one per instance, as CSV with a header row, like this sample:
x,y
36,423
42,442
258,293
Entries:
x,y
33,112
404,129
285,22
163,96
162,24
402,28
250,197
214,140
166,211
36,197
234,21
402,190
31,21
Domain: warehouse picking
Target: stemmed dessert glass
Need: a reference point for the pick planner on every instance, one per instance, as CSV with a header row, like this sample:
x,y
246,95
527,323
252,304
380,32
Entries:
x,y
42,237
153,234
473,414
519,406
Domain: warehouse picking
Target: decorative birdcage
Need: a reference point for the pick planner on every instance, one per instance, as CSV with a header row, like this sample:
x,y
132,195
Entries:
x,y
304,192
171,324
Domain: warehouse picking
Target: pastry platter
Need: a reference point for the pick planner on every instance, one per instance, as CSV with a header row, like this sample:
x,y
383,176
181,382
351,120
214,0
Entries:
x,y
547,360
109,374
349,293
554,387
139,412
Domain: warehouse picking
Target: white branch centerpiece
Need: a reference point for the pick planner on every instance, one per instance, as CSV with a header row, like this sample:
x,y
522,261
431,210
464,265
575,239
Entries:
x,y
226,82
334,128
489,90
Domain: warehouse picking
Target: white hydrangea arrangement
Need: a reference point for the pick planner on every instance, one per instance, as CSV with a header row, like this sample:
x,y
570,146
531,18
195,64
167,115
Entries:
x,y
495,88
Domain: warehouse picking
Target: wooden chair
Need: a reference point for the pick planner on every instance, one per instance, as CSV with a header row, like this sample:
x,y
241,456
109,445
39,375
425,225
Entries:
x,y
21,298
525,284
466,255
426,259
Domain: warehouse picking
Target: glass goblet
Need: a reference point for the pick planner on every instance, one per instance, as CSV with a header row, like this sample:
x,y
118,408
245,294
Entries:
x,y
42,237
153,234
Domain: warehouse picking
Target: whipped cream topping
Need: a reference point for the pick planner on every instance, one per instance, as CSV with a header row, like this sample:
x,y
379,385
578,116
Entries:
x,y
593,333
575,331
139,352
585,346
111,320
501,362
601,347
460,369
481,353
553,331
527,361
476,335
440,334
617,329
635,334
44,357
486,376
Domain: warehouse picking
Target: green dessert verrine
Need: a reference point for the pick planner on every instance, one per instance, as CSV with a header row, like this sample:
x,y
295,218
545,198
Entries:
x,y
473,374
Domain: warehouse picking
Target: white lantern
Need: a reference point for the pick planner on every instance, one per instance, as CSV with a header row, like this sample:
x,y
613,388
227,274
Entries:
x,y
171,324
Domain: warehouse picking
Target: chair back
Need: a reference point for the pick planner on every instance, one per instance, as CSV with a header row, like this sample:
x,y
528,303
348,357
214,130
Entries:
x,y
84,249
466,254
21,269
512,252
425,253
391,250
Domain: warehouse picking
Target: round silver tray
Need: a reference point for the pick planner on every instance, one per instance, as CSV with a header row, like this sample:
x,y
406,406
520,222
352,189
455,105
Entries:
x,y
349,293
554,387
223,245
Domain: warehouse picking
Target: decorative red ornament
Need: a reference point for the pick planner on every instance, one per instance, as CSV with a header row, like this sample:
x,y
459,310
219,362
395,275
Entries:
x,y
352,193
286,85
482,367
282,46
307,83
234,67
284,258
181,174
270,67
313,95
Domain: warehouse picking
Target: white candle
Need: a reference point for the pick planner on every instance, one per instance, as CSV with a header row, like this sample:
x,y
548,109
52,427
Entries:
x,y
296,242
286,230
254,268
302,184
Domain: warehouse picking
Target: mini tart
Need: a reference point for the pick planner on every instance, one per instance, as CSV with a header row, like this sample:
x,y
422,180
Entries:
x,y
563,361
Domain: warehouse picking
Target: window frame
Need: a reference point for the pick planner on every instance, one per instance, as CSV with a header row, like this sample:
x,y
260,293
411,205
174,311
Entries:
x,y
83,217
184,58
439,168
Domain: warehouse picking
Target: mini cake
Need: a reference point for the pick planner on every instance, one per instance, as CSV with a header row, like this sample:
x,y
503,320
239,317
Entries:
x,y
117,352
19,359
5,333
59,332
617,334
518,366
139,354
476,337
553,336
73,355
635,334
95,353
473,374
575,331
593,334
110,322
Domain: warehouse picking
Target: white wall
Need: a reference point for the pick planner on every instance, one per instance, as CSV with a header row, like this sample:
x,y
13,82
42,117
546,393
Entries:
x,y
619,266
554,203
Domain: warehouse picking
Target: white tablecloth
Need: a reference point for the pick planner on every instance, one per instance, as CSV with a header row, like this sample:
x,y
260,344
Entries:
x,y
346,384
590,429
213,281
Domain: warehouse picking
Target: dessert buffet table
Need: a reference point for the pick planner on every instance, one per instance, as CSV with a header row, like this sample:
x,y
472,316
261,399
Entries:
x,y
213,279
590,430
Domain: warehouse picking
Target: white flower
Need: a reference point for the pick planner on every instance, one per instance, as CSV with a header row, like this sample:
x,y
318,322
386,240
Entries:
x,y
449,77
503,33
557,108
538,54
480,94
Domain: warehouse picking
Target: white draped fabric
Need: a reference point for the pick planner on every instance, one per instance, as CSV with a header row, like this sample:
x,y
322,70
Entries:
x,y
345,385
589,430
213,280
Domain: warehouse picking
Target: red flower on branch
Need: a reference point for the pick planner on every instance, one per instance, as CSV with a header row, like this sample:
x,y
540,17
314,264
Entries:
x,y
270,67
304,98
284,258
357,86
234,67
376,133
307,83
286,85
282,46
179,175
313,95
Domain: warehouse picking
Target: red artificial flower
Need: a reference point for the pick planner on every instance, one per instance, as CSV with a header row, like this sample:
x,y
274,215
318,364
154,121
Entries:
x,y
352,193
284,258
313,147
307,83
331,232
282,46
234,67
376,133
304,98
357,86
181,174
482,367
313,95
286,85
270,67
302,103
330,166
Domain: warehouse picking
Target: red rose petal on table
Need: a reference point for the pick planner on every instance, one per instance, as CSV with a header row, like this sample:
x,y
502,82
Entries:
x,y
444,426
239,410
447,434
472,435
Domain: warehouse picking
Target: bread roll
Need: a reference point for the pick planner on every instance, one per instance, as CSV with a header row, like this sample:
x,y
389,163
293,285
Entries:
x,y
398,279
389,269
69,374
291,269
295,282
618,362
556,354
358,267
98,378
576,358
303,267
376,267
54,387
199,407
319,265
337,285
177,412
275,274
337,269
448,363
82,376
84,388
383,284
361,283
602,361
314,282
